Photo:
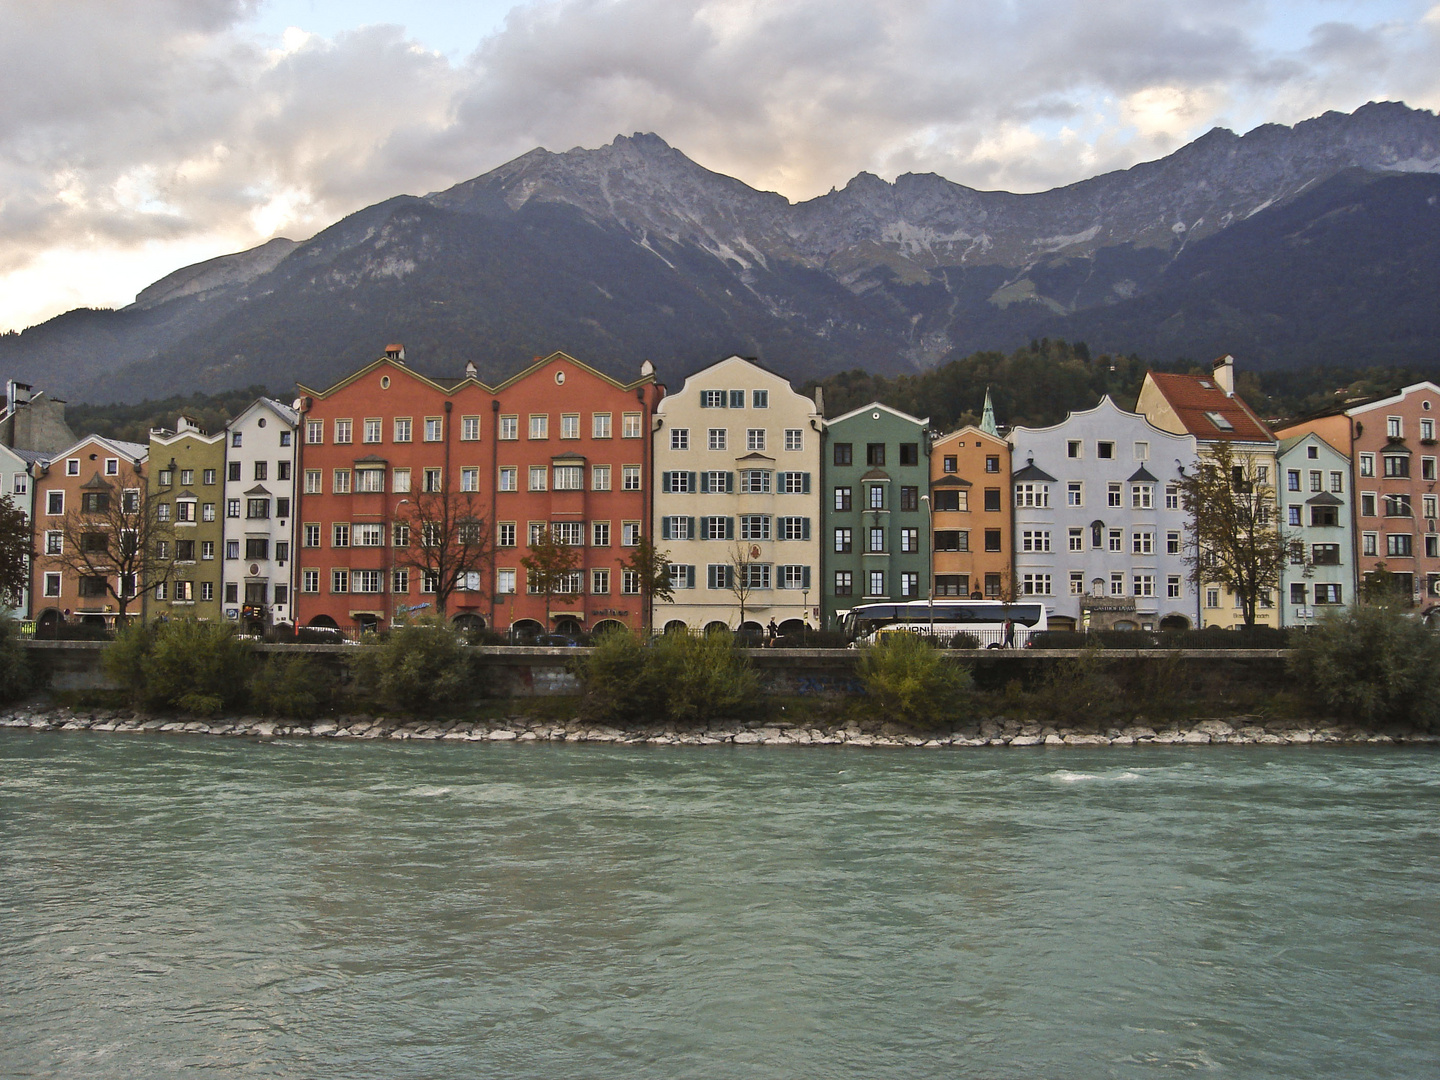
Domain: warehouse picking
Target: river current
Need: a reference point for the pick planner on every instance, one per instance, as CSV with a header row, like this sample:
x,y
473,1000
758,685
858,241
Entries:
x,y
201,907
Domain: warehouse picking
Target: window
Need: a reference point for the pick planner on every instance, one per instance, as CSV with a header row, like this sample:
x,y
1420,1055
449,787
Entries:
x,y
717,482
569,425
1035,584
717,528
600,582
1396,464
339,581
315,435
876,496
1172,497
718,576
952,540
680,438
600,425
843,541
600,478
1034,540
509,478
794,439
1367,504
629,583
1397,506
630,477
795,528
1117,583
236,438
909,498
232,508
716,438
1105,450
207,512
1074,493
1142,451
1112,495
877,540
1399,544
509,428
312,481
755,527
54,503
794,483
1077,583
1427,468
1394,427
257,508
184,510
568,533
434,428
369,481
400,534
844,452
679,481
504,582
87,585
992,542
1113,539
340,483
677,527
1076,538
759,399
340,534
54,542
370,431
874,453
842,498
310,534
793,577
1143,584
232,473
430,481
631,426
505,534
256,547
569,478
1212,598
1327,593
402,429
1430,503
1074,448
909,540
1317,479
755,481
342,431
951,499
630,533
1172,543
1292,479
1337,481
1142,542
1369,543
844,583
877,583
1142,496
600,534
755,439
1324,515
1028,495
368,536
682,576
429,581
1367,464
309,583
1172,587
712,399
539,425
1325,554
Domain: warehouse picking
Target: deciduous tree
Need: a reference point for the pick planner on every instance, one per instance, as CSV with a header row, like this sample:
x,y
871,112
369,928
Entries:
x,y
551,568
16,549
651,568
445,537
116,541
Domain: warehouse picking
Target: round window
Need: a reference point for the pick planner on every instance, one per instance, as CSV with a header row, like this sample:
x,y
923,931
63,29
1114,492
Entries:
x,y
384,382
559,378
260,422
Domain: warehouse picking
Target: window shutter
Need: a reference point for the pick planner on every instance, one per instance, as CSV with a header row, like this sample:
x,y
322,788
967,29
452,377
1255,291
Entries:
x,y
665,481
689,577
806,576
692,481
729,483
704,483
805,535
805,483
729,528
692,532
664,528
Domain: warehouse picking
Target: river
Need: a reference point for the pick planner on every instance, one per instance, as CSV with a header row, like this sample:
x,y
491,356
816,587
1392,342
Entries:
x,y
200,906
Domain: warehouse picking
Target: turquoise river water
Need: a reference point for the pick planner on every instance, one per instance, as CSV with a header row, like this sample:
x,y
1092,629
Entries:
x,y
202,907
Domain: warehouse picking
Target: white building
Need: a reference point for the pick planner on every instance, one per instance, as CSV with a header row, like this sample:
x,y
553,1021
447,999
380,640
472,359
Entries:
x,y
737,505
258,586
1099,529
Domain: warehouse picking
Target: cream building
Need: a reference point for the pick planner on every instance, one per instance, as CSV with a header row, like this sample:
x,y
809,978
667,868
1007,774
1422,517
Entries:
x,y
737,500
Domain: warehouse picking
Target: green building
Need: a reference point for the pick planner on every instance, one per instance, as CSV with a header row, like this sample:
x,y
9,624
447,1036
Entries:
x,y
875,541
187,485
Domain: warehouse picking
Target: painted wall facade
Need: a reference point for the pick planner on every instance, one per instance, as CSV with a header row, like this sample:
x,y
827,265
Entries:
x,y
970,492
258,564
187,485
1316,513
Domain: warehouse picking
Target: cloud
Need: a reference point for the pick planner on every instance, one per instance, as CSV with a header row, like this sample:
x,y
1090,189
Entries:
x,y
169,125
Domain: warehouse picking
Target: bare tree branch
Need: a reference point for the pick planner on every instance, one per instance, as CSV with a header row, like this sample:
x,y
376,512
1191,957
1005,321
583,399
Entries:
x,y
116,544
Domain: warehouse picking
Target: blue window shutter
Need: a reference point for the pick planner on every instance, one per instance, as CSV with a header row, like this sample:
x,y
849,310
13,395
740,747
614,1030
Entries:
x,y
806,575
805,535
689,577
729,528
664,528
737,399
692,481
665,481
806,483
693,534
729,483
704,483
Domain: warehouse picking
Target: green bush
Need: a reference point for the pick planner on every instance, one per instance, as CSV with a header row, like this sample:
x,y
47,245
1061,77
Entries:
x,y
912,681
296,686
15,675
1371,664
677,679
1080,690
418,669
200,667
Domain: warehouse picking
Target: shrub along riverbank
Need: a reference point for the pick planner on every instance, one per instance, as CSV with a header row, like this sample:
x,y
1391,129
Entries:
x,y
1364,674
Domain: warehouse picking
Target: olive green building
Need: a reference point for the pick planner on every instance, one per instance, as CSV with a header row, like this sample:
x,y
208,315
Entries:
x,y
187,485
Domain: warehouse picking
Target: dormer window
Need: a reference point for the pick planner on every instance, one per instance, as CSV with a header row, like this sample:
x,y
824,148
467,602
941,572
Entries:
x,y
1219,421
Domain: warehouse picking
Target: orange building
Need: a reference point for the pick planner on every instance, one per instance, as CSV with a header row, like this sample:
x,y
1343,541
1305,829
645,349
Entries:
x,y
971,514
560,447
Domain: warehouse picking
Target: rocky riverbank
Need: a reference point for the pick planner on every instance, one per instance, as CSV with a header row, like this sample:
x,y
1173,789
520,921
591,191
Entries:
x,y
989,732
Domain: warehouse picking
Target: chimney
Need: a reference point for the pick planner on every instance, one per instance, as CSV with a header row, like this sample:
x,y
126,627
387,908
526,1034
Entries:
x,y
395,352
1225,374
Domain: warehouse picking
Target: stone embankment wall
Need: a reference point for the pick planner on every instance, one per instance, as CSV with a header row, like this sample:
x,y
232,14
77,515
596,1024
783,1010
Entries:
x,y
994,732
519,672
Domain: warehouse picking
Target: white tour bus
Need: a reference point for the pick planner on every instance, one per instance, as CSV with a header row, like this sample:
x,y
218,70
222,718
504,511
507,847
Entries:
x,y
988,621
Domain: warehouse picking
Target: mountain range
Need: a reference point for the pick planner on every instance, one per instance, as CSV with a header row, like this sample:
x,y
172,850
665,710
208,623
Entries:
x,y
1287,246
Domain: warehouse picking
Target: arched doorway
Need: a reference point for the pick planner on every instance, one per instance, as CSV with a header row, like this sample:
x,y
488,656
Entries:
x,y
676,626
324,622
568,625
48,624
792,626
468,623
1126,624
1174,622
526,630
716,627
608,626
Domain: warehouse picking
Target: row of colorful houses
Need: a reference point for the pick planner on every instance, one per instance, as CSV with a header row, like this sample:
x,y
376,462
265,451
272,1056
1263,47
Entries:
x,y
306,514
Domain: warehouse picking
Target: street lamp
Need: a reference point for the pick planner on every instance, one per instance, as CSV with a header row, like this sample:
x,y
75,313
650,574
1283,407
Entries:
x,y
930,557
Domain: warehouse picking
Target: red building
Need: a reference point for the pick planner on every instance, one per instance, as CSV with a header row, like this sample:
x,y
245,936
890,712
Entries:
x,y
560,447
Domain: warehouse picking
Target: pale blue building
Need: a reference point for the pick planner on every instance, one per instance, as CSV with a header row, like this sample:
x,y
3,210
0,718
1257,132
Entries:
x,y
1315,516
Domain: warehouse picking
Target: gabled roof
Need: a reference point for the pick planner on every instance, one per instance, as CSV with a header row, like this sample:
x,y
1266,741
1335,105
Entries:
x,y
876,474
1206,411
258,489
754,456
969,429
1324,499
1393,399
95,483
883,408
951,481
128,450
1141,476
1033,473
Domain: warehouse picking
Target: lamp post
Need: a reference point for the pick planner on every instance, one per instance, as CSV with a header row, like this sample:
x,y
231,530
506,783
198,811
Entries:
x,y
930,557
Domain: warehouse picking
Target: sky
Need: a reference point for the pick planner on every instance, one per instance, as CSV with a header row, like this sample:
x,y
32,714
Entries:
x,y
139,136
